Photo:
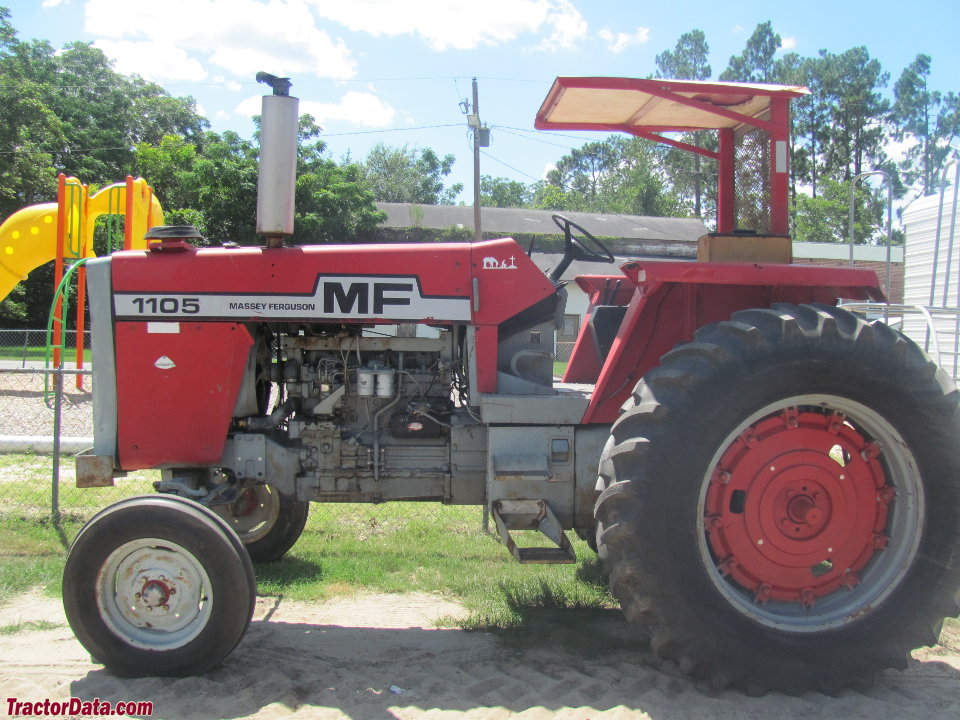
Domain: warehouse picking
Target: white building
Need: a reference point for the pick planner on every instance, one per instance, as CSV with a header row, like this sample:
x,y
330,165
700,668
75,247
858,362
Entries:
x,y
932,276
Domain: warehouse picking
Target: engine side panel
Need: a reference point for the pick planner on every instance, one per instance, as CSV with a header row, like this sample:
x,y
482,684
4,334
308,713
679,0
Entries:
x,y
177,386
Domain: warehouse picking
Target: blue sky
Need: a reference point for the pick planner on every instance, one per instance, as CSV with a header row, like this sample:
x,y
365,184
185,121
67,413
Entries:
x,y
395,71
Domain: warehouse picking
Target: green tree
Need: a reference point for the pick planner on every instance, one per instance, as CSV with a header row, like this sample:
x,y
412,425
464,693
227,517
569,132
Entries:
x,y
616,175
688,60
690,172
334,202
851,82
930,117
28,128
546,196
756,63
105,114
213,185
808,120
410,175
68,111
501,192
825,218
584,171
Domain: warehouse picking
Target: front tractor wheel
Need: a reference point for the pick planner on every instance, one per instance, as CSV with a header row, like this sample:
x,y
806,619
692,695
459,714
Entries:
x,y
158,585
780,503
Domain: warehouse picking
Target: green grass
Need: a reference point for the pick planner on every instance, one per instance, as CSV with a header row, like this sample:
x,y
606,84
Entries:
x,y
410,547
19,353
30,626
345,549
32,546
32,552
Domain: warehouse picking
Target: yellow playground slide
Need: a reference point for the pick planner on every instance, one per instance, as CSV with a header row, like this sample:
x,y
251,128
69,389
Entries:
x,y
28,238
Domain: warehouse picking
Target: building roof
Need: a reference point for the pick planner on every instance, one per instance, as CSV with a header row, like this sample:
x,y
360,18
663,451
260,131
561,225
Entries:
x,y
521,221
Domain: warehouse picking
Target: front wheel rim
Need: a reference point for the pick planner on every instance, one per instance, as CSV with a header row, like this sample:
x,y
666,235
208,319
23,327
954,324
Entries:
x,y
810,513
154,594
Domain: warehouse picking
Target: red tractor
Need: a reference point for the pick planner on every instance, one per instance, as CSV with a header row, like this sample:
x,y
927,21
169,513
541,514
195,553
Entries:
x,y
770,480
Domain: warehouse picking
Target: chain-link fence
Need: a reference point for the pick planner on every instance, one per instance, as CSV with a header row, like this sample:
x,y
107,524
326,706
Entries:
x,y
18,348
47,417
752,181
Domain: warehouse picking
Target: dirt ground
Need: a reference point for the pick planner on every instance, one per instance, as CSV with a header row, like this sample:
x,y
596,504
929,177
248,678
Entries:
x,y
382,656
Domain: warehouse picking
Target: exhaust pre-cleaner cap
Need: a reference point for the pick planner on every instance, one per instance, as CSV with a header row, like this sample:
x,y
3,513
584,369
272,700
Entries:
x,y
177,232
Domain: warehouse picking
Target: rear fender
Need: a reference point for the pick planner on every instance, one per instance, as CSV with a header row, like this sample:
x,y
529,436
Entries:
x,y
671,300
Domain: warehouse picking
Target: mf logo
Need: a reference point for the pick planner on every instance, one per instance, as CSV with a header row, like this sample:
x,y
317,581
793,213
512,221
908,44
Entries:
x,y
358,297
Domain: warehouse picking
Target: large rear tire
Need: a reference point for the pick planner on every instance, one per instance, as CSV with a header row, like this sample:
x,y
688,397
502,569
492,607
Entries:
x,y
158,585
779,500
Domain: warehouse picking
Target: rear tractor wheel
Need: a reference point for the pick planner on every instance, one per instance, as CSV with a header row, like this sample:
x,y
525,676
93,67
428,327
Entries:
x,y
780,500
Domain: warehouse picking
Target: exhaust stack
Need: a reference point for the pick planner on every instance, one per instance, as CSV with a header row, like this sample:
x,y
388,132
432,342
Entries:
x,y
276,183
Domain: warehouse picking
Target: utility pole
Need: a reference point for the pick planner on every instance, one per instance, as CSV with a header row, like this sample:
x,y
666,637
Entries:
x,y
474,121
481,138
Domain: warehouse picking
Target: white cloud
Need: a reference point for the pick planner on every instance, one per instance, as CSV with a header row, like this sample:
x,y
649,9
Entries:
x,y
240,36
456,24
231,85
249,107
896,150
46,4
356,108
788,43
620,41
568,27
152,59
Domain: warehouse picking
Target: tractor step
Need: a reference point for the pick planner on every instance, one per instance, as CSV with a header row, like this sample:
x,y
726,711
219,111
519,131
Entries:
x,y
532,515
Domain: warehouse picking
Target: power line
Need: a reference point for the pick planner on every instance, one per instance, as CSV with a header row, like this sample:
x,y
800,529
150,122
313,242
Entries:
x,y
509,131
552,134
388,130
486,154
60,151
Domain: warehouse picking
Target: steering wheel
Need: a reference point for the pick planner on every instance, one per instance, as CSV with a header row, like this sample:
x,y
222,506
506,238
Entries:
x,y
589,249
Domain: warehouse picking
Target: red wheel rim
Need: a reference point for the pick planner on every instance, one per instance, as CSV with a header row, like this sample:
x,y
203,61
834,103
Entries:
x,y
797,506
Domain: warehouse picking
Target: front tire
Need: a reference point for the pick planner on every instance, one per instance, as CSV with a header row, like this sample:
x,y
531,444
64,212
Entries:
x,y
779,500
157,585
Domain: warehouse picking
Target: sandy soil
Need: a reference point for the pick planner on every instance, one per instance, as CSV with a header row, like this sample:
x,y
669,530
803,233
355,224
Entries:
x,y
380,656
